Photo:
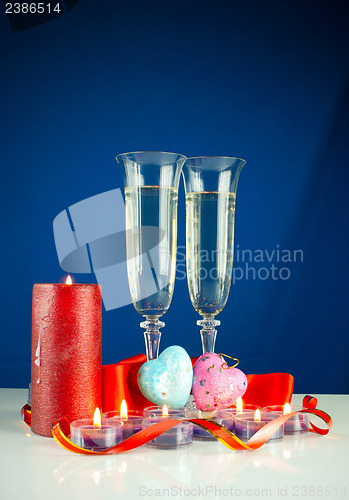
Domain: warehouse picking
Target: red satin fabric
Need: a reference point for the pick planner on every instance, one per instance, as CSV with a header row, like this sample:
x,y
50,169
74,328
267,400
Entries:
x,y
268,387
119,382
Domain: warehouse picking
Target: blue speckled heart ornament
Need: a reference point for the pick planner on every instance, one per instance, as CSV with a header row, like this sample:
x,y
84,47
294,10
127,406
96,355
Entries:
x,y
168,379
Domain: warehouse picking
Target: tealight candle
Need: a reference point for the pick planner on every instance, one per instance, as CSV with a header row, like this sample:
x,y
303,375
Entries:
x,y
180,435
132,420
95,436
297,423
199,432
240,406
164,411
224,417
248,423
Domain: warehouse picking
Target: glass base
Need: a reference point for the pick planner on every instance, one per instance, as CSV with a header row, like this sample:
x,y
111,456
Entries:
x,y
178,436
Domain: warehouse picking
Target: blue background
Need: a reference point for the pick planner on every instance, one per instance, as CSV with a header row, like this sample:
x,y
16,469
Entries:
x,y
265,81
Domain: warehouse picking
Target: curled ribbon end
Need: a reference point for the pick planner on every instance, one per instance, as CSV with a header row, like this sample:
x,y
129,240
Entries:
x,y
309,402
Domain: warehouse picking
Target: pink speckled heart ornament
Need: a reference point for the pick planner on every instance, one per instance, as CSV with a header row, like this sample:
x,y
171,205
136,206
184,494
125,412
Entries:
x,y
215,385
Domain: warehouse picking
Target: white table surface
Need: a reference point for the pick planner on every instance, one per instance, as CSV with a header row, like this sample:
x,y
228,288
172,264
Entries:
x,y
305,465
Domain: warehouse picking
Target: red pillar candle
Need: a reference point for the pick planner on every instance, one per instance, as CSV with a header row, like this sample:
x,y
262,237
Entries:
x,y
66,362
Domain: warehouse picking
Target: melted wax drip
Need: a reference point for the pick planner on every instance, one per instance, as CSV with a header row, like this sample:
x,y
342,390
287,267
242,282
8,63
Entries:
x,y
42,328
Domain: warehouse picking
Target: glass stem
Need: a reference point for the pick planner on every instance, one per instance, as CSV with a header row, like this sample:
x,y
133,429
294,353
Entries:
x,y
152,336
208,333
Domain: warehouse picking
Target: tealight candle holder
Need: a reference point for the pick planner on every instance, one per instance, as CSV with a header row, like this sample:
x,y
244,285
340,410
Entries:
x,y
225,417
132,423
248,423
297,423
86,434
167,411
198,432
178,436
240,406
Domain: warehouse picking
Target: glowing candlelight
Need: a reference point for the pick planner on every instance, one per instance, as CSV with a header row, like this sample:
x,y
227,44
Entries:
x,y
239,405
180,435
123,410
93,435
131,419
69,281
248,423
97,420
297,423
287,408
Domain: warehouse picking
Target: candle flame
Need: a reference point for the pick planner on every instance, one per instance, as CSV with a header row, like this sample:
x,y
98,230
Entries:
x,y
123,410
257,415
69,281
239,405
165,411
287,409
97,421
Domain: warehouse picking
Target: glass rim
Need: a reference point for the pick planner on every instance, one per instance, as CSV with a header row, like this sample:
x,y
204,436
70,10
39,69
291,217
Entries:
x,y
89,422
149,151
150,419
156,411
117,414
160,408
247,413
215,156
281,408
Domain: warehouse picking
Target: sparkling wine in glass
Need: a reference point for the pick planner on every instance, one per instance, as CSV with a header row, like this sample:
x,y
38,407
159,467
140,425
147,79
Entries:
x,y
210,186
151,181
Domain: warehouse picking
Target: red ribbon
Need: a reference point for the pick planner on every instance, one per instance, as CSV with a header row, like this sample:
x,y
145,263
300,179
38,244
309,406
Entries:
x,y
119,381
26,413
219,432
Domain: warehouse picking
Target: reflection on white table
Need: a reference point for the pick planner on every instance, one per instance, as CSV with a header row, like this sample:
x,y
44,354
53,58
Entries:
x,y
301,465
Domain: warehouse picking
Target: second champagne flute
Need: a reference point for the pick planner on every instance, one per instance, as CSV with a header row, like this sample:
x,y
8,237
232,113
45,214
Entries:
x,y
210,192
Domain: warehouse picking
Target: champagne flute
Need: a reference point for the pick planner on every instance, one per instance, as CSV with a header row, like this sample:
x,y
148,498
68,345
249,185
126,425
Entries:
x,y
151,181
210,187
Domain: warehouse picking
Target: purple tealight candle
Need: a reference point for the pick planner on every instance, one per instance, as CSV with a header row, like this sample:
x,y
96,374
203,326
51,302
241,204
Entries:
x,y
248,423
296,423
226,418
240,406
132,420
178,436
167,411
223,417
199,432
94,435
